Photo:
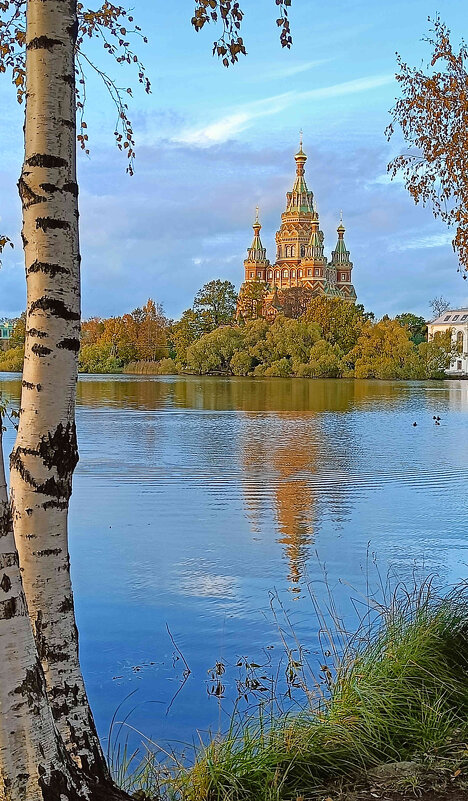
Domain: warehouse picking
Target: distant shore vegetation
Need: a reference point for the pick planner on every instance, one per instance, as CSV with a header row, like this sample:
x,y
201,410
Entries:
x,y
323,338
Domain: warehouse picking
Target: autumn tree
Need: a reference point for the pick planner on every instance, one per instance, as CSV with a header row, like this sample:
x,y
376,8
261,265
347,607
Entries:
x,y
152,332
432,113
216,304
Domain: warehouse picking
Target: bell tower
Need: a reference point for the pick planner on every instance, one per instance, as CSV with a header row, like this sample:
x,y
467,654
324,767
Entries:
x,y
294,233
341,265
256,263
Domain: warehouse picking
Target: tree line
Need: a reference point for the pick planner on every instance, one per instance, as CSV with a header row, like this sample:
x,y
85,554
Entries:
x,y
310,337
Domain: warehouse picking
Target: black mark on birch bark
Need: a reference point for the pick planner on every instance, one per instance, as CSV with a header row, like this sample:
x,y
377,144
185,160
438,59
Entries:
x,y
9,609
45,160
5,583
69,344
32,686
55,307
43,43
59,449
49,269
27,195
34,332
50,224
41,350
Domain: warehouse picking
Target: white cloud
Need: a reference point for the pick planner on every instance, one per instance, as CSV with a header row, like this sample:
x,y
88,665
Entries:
x,y
241,118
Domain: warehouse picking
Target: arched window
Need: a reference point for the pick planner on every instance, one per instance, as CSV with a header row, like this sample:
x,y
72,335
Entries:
x,y
302,251
259,275
299,273
293,274
460,341
285,273
293,250
277,274
251,275
270,274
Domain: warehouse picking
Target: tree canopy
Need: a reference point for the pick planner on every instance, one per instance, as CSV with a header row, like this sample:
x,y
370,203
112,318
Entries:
x,y
432,113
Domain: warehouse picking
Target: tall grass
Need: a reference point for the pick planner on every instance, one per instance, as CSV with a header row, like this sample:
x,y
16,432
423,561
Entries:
x,y
161,367
398,691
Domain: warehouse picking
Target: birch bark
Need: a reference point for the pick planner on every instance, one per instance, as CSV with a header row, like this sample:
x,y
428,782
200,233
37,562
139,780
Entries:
x,y
45,452
33,760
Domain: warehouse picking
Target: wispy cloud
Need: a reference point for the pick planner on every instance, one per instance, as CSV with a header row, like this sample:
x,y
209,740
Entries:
x,y
422,242
276,73
239,119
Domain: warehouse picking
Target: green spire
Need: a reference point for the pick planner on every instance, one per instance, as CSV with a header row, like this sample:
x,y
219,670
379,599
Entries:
x,y
256,252
315,246
340,255
300,199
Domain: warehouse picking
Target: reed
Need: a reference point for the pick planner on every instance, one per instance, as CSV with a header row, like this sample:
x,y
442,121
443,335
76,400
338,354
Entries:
x,y
162,367
398,691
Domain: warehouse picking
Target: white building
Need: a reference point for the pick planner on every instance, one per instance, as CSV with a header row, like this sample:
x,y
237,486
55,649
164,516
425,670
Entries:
x,y
457,321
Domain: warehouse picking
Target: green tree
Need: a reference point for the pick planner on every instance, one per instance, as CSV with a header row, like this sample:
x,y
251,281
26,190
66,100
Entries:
x,y
183,333
216,304
383,350
340,321
214,351
417,326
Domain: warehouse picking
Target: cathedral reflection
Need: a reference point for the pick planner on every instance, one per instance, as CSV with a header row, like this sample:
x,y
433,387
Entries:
x,y
292,468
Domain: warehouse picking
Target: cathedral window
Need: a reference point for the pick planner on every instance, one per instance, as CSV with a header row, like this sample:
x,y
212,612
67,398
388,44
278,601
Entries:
x,y
259,275
302,251
343,276
293,274
251,275
309,272
285,273
277,274
299,273
292,250
316,271
270,274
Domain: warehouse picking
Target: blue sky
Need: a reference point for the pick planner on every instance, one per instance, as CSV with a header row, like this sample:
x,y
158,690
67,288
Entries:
x,y
212,143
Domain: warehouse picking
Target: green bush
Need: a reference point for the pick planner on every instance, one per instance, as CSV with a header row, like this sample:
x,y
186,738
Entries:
x,y
99,359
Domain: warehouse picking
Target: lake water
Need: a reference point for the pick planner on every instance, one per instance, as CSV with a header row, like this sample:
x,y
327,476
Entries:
x,y
196,499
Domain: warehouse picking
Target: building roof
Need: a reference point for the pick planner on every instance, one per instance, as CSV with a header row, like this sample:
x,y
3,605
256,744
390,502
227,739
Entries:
x,y
451,316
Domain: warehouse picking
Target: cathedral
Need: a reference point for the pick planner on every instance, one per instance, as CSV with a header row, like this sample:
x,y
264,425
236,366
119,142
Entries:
x,y
300,259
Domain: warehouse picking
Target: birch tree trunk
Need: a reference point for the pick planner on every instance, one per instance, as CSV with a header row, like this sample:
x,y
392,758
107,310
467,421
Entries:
x,y
45,452
33,762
